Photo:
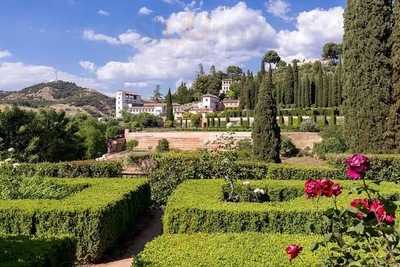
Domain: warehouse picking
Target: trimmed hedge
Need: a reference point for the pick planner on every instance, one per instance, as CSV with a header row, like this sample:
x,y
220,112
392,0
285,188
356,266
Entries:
x,y
383,167
171,169
198,206
302,172
73,169
97,216
245,249
17,251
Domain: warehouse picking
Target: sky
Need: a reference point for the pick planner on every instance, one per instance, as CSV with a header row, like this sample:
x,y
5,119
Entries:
x,y
136,44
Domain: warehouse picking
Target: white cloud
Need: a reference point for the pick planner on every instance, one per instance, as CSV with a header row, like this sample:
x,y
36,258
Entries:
x,y
145,11
102,12
221,37
159,19
17,75
313,29
5,53
279,8
92,36
87,65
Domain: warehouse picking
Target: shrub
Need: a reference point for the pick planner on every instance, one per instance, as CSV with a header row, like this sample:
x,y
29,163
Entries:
x,y
308,126
65,169
198,206
96,217
132,144
171,169
288,149
382,167
163,146
245,249
333,141
17,251
302,172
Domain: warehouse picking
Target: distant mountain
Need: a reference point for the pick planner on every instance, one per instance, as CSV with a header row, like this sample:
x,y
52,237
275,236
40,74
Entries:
x,y
61,95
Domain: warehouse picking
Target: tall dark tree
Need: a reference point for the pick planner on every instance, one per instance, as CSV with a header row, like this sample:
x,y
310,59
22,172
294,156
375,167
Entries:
x,y
307,96
289,97
392,134
234,72
332,51
296,82
266,132
325,92
170,107
367,72
319,85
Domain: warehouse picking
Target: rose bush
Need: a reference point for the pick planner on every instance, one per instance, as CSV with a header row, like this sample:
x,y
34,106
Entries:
x,y
363,234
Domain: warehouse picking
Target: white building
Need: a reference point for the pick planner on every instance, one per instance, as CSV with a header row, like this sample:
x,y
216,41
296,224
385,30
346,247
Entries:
x,y
157,109
126,100
209,102
226,86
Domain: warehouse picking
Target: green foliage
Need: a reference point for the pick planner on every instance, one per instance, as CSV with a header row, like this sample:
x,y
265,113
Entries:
x,y
245,249
272,57
333,141
20,251
65,169
95,217
94,138
288,149
382,167
367,79
302,172
266,132
332,51
183,95
198,206
163,146
132,144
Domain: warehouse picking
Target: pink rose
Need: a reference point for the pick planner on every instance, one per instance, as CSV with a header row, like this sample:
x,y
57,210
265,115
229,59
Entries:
x,y
312,188
374,206
293,251
357,166
390,219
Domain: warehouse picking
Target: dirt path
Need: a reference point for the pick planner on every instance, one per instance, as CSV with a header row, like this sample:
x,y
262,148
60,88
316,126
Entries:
x,y
147,228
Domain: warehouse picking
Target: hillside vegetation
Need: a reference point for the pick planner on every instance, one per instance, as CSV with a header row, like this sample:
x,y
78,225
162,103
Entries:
x,y
61,95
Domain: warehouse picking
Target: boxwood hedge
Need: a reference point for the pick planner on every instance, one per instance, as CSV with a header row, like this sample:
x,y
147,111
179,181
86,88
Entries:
x,y
96,216
244,249
170,169
20,251
199,206
73,169
383,167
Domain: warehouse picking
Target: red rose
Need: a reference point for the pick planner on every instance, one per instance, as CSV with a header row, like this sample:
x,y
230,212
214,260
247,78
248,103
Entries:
x,y
374,206
312,188
353,175
336,190
390,219
360,203
293,251
326,187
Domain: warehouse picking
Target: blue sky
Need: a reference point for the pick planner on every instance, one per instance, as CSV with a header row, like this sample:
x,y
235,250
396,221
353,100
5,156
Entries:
x,y
136,44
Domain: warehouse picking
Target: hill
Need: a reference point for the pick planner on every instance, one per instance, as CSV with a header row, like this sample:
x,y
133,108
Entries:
x,y
61,95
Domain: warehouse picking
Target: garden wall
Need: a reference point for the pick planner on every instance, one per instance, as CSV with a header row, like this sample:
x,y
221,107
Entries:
x,y
199,140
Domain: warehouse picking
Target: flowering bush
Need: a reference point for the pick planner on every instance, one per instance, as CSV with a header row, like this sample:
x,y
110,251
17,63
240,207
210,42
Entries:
x,y
364,234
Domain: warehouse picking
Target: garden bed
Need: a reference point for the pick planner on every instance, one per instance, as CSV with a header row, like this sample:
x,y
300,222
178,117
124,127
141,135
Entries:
x,y
200,206
96,216
245,249
25,252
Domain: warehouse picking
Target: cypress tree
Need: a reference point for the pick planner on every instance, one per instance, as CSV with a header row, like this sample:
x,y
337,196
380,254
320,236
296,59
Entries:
x,y
170,109
325,92
307,93
367,72
289,97
319,86
266,132
392,134
296,83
